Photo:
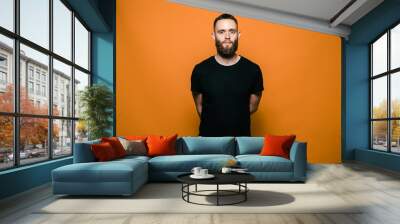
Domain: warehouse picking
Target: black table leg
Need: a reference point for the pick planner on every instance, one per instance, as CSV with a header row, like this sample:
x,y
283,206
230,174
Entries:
x,y
188,190
182,189
185,188
245,193
217,194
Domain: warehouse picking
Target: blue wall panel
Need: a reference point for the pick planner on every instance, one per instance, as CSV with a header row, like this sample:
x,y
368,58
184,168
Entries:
x,y
24,178
357,84
103,62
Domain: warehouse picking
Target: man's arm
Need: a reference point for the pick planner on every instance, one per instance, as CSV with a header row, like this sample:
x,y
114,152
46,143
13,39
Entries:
x,y
254,101
198,101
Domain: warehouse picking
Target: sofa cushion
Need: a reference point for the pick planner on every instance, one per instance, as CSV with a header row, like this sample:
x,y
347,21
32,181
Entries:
x,y
249,145
103,151
185,163
257,163
161,145
207,145
116,145
97,172
277,145
133,157
134,147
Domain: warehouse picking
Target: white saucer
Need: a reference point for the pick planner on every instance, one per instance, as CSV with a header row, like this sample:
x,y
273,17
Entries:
x,y
208,176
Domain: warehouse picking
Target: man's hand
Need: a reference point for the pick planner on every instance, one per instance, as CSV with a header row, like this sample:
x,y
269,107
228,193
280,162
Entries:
x,y
254,101
198,101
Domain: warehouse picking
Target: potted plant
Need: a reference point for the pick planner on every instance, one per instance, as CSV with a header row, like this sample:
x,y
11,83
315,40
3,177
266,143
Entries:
x,y
96,102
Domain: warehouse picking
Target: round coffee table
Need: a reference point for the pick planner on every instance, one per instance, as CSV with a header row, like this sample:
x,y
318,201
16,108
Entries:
x,y
238,179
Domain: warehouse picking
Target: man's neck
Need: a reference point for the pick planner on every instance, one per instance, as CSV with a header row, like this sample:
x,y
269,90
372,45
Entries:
x,y
227,61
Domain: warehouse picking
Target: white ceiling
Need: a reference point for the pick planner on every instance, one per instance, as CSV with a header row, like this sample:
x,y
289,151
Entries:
x,y
324,16
320,9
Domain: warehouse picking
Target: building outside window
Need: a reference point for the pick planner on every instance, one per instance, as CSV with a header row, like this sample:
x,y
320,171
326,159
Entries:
x,y
38,89
385,91
30,87
43,90
30,72
3,60
35,54
3,71
43,77
3,78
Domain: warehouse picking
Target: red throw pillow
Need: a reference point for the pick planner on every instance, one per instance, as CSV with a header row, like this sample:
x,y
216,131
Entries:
x,y
159,145
103,151
116,145
277,145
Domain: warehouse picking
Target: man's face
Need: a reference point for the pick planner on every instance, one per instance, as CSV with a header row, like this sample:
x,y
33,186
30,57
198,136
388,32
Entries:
x,y
226,37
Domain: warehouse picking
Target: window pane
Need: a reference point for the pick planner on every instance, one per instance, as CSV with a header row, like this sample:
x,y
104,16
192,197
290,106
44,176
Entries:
x,y
379,135
379,55
81,131
379,100
395,47
35,21
395,94
33,140
81,81
6,74
62,89
6,142
7,14
62,138
62,29
34,78
395,136
81,45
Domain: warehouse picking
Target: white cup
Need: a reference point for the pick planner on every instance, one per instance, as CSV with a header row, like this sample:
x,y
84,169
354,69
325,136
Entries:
x,y
203,172
226,170
196,170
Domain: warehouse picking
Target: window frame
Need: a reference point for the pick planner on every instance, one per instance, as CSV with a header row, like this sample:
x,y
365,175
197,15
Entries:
x,y
16,114
388,74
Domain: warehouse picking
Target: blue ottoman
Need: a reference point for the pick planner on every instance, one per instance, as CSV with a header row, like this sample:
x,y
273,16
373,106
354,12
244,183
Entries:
x,y
118,177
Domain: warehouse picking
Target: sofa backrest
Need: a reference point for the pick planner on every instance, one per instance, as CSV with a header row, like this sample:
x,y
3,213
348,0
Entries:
x,y
83,152
249,145
191,146
206,145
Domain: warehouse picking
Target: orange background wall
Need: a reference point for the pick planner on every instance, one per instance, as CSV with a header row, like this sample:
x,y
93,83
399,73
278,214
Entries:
x,y
159,42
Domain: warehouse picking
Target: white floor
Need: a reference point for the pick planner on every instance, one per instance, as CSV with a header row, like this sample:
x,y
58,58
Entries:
x,y
377,189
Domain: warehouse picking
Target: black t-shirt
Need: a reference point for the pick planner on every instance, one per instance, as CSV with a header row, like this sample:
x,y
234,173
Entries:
x,y
226,94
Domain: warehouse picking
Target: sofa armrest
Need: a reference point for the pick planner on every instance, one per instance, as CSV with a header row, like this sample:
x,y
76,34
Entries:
x,y
83,152
298,155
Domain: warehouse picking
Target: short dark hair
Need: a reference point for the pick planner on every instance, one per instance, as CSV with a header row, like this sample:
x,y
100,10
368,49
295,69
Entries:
x,y
225,16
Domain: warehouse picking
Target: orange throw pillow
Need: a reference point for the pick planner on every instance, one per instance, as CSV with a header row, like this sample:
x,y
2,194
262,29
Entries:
x,y
103,152
159,145
277,145
116,145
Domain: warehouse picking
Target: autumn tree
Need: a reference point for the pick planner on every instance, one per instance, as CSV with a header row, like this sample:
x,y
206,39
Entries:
x,y
6,122
33,130
380,127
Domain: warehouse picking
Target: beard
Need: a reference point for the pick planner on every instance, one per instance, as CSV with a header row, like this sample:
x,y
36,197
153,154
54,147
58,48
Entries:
x,y
226,52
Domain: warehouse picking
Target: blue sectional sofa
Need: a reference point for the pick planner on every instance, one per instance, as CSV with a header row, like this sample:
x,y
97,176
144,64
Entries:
x,y
125,176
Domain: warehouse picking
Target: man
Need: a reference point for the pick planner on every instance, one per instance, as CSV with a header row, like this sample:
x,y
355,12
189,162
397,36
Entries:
x,y
226,87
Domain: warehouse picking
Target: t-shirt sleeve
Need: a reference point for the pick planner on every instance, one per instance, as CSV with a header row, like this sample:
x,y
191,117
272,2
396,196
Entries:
x,y
195,81
258,85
